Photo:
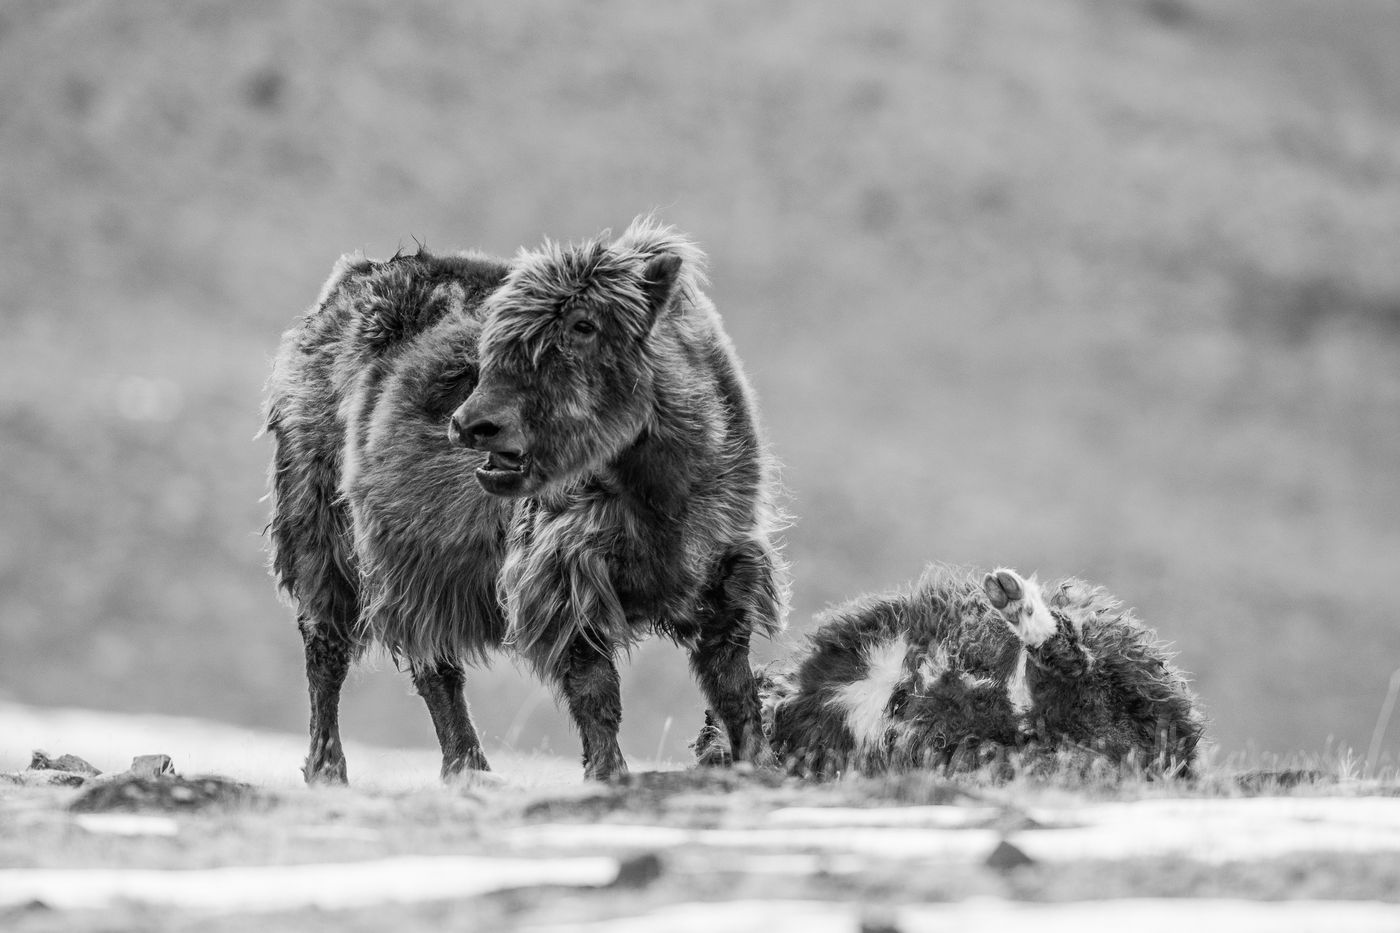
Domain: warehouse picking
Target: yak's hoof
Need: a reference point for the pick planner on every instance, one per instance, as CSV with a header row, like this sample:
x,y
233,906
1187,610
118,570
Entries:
x,y
1021,605
714,755
609,771
468,770
1003,587
472,778
325,761
711,746
759,757
325,772
765,760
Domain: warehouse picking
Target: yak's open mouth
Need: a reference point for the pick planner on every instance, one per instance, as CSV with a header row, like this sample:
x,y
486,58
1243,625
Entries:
x,y
504,472
505,461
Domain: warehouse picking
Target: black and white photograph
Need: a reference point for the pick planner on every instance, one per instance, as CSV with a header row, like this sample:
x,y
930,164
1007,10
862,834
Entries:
x,y
724,466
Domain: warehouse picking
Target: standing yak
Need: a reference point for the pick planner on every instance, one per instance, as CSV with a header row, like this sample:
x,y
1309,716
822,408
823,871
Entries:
x,y
556,455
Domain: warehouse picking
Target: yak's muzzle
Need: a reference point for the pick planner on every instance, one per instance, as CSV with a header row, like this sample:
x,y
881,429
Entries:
x,y
480,426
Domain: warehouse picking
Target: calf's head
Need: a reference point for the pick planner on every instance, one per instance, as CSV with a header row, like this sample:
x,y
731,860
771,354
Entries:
x,y
567,362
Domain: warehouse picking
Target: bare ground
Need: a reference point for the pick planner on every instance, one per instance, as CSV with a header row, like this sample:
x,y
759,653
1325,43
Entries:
x,y
694,840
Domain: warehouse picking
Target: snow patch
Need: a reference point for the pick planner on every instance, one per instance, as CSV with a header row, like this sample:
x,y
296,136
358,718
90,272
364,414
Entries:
x,y
290,887
126,824
1208,830
1141,915
931,817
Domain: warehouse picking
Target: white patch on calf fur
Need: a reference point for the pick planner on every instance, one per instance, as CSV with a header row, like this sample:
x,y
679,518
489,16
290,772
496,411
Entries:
x,y
864,701
1016,688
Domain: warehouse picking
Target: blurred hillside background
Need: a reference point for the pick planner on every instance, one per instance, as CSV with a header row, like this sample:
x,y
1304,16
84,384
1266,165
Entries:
x,y
1098,287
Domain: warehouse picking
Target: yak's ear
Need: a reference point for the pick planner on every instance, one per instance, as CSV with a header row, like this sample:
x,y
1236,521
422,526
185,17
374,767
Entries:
x,y
659,277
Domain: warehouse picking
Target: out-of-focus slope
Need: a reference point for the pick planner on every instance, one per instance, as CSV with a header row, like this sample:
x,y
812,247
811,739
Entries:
x,y
1083,287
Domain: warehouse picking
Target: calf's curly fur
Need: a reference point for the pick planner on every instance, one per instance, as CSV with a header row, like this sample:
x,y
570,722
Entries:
x,y
556,454
961,668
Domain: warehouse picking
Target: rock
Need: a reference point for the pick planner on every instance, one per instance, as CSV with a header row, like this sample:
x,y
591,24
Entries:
x,y
639,871
1006,857
151,765
166,792
45,777
40,760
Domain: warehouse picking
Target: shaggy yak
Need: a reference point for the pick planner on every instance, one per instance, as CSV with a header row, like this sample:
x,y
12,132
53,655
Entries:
x,y
955,672
556,454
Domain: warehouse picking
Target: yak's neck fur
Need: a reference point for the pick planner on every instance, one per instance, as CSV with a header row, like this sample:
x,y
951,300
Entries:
x,y
626,549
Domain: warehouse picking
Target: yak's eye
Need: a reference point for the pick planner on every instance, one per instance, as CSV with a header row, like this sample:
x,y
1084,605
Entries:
x,y
585,327
457,375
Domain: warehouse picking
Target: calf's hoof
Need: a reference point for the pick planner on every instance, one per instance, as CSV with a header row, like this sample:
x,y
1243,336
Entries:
x,y
1020,603
1002,587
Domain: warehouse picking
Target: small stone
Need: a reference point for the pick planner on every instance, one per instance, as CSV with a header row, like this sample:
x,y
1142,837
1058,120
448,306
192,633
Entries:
x,y
40,760
1006,857
151,765
639,871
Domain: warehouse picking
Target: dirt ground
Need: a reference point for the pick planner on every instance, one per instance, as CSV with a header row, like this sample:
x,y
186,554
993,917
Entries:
x,y
673,846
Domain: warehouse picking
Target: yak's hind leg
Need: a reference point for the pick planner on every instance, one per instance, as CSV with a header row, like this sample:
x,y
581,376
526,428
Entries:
x,y
441,684
587,677
328,654
743,599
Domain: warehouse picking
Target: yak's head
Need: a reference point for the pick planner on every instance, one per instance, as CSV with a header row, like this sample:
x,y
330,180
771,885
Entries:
x,y
569,349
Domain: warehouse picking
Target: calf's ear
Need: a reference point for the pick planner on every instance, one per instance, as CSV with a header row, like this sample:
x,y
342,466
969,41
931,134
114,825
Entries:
x,y
659,277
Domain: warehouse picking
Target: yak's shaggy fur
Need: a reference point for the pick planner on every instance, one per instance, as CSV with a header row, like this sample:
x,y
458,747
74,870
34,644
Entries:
x,y
961,668
461,466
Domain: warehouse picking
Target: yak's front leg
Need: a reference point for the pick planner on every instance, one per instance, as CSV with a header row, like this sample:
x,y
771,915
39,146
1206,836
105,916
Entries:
x,y
588,679
328,654
742,600
441,684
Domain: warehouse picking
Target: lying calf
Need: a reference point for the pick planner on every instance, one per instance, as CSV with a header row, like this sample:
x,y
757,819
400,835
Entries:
x,y
957,670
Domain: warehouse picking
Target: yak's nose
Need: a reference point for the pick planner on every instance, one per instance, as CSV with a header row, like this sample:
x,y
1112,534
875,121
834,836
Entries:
x,y
476,433
455,432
